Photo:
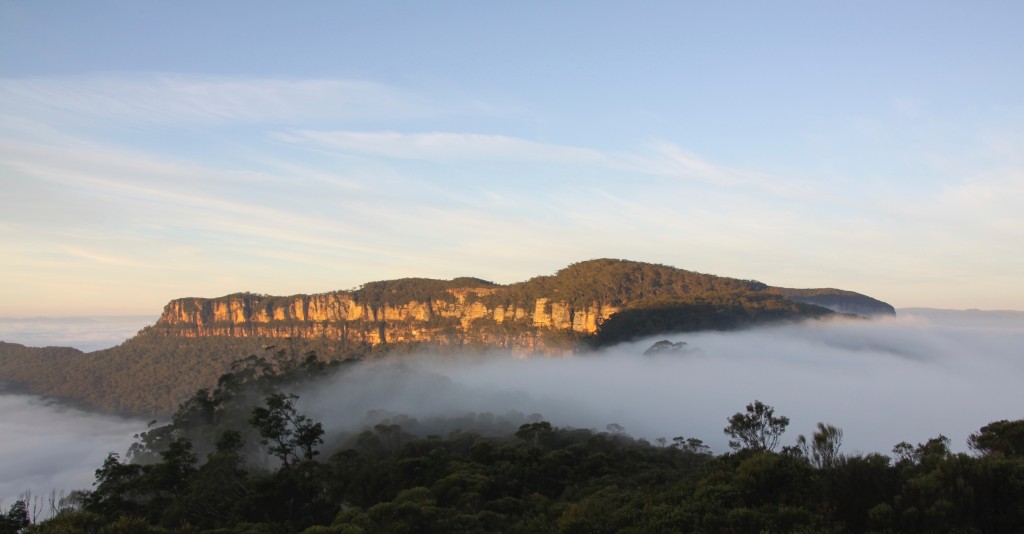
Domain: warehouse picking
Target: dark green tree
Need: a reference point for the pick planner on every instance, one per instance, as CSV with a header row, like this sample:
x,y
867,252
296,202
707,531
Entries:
x,y
16,518
823,449
1002,439
290,436
757,430
536,434
691,445
219,487
172,474
119,489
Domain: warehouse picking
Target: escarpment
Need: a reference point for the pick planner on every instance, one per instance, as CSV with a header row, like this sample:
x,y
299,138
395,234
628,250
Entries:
x,y
454,316
544,314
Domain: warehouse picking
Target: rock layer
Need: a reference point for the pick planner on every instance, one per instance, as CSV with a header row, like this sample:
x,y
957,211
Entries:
x,y
458,317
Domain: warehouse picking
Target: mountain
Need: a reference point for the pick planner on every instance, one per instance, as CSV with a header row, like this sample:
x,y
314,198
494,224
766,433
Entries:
x,y
526,316
587,304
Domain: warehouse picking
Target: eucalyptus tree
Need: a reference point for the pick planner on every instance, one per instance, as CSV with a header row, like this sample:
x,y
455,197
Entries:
x,y
758,429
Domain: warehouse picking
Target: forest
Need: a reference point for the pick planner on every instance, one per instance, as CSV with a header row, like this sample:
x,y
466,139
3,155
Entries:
x,y
240,457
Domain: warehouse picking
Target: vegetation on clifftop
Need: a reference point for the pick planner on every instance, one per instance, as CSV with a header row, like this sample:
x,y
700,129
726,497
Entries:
x,y
405,290
616,283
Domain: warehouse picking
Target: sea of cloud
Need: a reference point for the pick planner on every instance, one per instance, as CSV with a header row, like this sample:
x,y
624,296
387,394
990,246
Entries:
x,y
883,381
83,333
49,447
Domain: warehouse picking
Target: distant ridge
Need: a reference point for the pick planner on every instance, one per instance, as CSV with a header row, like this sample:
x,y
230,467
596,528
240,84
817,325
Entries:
x,y
1009,314
837,300
584,305
990,318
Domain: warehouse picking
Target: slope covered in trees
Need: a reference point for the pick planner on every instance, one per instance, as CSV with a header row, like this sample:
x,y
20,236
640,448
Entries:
x,y
147,375
619,282
837,300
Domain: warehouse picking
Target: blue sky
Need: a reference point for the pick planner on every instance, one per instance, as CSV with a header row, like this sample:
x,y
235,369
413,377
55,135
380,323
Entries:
x,y
154,150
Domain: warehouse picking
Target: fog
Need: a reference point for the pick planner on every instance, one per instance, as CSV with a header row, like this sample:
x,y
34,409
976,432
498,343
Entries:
x,y
46,446
83,333
882,381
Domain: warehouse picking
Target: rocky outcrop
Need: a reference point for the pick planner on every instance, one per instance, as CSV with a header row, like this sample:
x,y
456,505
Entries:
x,y
460,316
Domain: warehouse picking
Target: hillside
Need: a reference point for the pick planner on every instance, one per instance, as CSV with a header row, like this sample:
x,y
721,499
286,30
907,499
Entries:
x,y
585,305
837,300
573,303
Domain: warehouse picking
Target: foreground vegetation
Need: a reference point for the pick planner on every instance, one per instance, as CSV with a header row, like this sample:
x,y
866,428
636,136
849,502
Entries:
x,y
241,458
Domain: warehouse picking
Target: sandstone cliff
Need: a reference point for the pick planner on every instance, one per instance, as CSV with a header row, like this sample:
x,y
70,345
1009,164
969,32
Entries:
x,y
457,316
544,314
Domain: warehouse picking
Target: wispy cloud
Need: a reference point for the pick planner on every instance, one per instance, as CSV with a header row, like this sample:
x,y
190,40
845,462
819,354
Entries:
x,y
443,146
106,259
218,184
670,160
174,99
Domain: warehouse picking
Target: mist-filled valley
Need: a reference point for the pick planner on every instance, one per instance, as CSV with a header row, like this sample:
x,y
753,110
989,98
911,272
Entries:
x,y
46,446
881,381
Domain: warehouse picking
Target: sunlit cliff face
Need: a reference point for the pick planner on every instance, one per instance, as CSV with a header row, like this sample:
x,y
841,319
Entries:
x,y
339,316
335,307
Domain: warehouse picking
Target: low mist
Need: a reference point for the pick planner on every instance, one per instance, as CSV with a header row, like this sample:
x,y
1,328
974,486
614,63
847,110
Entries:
x,y
882,381
48,447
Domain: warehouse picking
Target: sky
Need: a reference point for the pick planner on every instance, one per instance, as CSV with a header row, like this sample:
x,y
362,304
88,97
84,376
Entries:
x,y
157,150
